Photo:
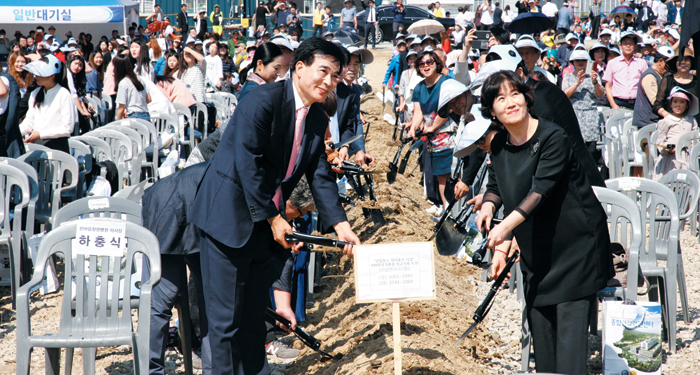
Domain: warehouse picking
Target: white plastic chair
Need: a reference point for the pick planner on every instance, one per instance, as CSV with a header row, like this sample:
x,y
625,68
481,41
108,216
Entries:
x,y
97,322
684,145
121,148
11,179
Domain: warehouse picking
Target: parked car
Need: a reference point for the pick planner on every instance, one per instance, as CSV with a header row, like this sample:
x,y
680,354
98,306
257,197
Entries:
x,y
385,15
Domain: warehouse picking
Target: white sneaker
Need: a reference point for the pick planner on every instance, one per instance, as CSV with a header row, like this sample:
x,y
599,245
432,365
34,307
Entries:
x,y
440,211
432,210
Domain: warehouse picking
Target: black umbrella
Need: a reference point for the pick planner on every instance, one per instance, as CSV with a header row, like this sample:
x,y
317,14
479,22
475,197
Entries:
x,y
348,36
530,23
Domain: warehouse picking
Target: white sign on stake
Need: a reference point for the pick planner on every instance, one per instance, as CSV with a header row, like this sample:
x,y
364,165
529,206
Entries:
x,y
100,238
393,272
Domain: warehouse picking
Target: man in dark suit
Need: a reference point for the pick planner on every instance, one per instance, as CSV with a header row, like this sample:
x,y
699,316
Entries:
x,y
182,21
645,16
269,144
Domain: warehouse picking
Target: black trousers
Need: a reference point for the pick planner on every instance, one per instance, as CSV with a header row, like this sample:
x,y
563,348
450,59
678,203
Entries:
x,y
318,28
164,296
236,290
560,336
370,29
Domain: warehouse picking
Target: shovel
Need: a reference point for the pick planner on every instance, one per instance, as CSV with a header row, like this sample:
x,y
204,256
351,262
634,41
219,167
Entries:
x,y
451,234
452,181
393,168
404,162
377,215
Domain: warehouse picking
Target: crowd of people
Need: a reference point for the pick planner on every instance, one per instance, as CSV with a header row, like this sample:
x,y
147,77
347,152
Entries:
x,y
539,119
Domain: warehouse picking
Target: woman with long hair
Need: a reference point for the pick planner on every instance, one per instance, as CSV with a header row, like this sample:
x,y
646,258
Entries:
x,y
556,219
103,48
77,83
172,63
138,54
52,113
190,72
425,107
266,66
95,75
16,64
132,98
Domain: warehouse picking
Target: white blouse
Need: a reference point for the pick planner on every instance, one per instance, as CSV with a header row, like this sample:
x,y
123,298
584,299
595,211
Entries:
x,y
55,117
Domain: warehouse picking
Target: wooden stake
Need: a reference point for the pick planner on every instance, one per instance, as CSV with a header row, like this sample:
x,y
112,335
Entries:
x,y
397,339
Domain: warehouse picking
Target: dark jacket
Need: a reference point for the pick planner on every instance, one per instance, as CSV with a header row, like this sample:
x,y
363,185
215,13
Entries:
x,y
182,22
250,165
166,207
10,135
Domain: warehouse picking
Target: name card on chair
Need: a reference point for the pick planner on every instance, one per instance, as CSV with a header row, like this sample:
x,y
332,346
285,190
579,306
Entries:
x,y
102,239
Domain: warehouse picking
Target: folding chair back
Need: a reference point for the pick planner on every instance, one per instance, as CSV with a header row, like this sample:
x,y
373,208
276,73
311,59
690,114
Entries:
x,y
694,160
686,186
166,127
231,102
99,207
99,149
201,114
29,147
11,180
625,227
683,146
83,155
139,155
660,220
149,137
122,150
643,148
52,167
98,319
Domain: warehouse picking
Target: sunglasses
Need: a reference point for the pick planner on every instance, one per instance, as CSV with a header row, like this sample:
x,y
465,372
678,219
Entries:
x,y
426,63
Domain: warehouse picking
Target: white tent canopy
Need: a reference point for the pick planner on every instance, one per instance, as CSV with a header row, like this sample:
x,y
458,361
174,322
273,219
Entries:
x,y
97,17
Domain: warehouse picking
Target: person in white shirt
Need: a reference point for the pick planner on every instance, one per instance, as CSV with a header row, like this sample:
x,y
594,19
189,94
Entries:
x,y
215,70
486,18
550,10
52,114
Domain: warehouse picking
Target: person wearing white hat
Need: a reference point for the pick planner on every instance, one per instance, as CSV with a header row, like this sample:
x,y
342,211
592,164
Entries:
x,y
682,109
604,37
584,90
52,114
409,80
623,73
530,52
288,51
200,24
565,50
681,78
649,84
396,65
416,45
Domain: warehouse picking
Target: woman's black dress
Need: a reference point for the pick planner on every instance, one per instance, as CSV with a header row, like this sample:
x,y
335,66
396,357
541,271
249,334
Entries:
x,y
564,241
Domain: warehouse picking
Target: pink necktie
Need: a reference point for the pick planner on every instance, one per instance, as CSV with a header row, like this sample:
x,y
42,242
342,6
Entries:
x,y
298,130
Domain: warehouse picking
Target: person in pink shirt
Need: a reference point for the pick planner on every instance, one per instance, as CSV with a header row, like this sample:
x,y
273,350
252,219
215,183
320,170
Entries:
x,y
623,72
176,91
109,90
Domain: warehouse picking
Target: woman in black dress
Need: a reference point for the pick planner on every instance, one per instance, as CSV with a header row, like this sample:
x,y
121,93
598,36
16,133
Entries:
x,y
555,217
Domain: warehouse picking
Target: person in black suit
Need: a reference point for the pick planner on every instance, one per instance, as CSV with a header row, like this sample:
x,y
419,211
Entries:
x,y
182,21
644,16
269,144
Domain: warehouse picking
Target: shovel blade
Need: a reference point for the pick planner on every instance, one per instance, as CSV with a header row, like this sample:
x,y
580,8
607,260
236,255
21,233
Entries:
x,y
391,175
404,163
377,216
449,238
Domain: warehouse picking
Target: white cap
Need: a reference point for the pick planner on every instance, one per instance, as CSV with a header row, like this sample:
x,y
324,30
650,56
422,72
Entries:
x,y
527,41
417,41
676,92
282,41
507,59
579,54
411,53
647,39
71,41
612,23
400,35
605,32
190,40
234,79
427,37
666,52
449,90
197,42
674,34
294,44
472,133
616,50
327,33
630,34
570,36
68,49
42,69
596,46
428,49
400,41
366,56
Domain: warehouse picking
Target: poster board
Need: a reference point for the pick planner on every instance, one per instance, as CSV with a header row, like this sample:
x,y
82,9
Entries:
x,y
394,272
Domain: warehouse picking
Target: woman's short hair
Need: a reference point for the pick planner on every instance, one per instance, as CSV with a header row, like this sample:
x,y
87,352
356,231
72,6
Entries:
x,y
492,86
434,56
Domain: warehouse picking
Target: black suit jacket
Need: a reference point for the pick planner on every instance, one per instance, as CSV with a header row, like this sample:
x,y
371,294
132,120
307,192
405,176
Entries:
x,y
552,104
182,22
347,113
650,15
250,163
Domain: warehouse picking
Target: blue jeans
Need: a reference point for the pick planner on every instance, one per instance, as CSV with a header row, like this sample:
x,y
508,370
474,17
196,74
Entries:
x,y
141,115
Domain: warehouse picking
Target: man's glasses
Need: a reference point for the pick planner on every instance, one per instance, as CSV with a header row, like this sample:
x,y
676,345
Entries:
x,y
426,63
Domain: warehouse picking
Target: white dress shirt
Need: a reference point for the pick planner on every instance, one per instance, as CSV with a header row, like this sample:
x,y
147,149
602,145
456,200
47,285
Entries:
x,y
55,117
371,14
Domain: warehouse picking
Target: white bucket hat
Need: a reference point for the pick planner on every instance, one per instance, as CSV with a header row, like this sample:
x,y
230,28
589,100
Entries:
x,y
366,56
472,133
579,54
678,92
527,41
